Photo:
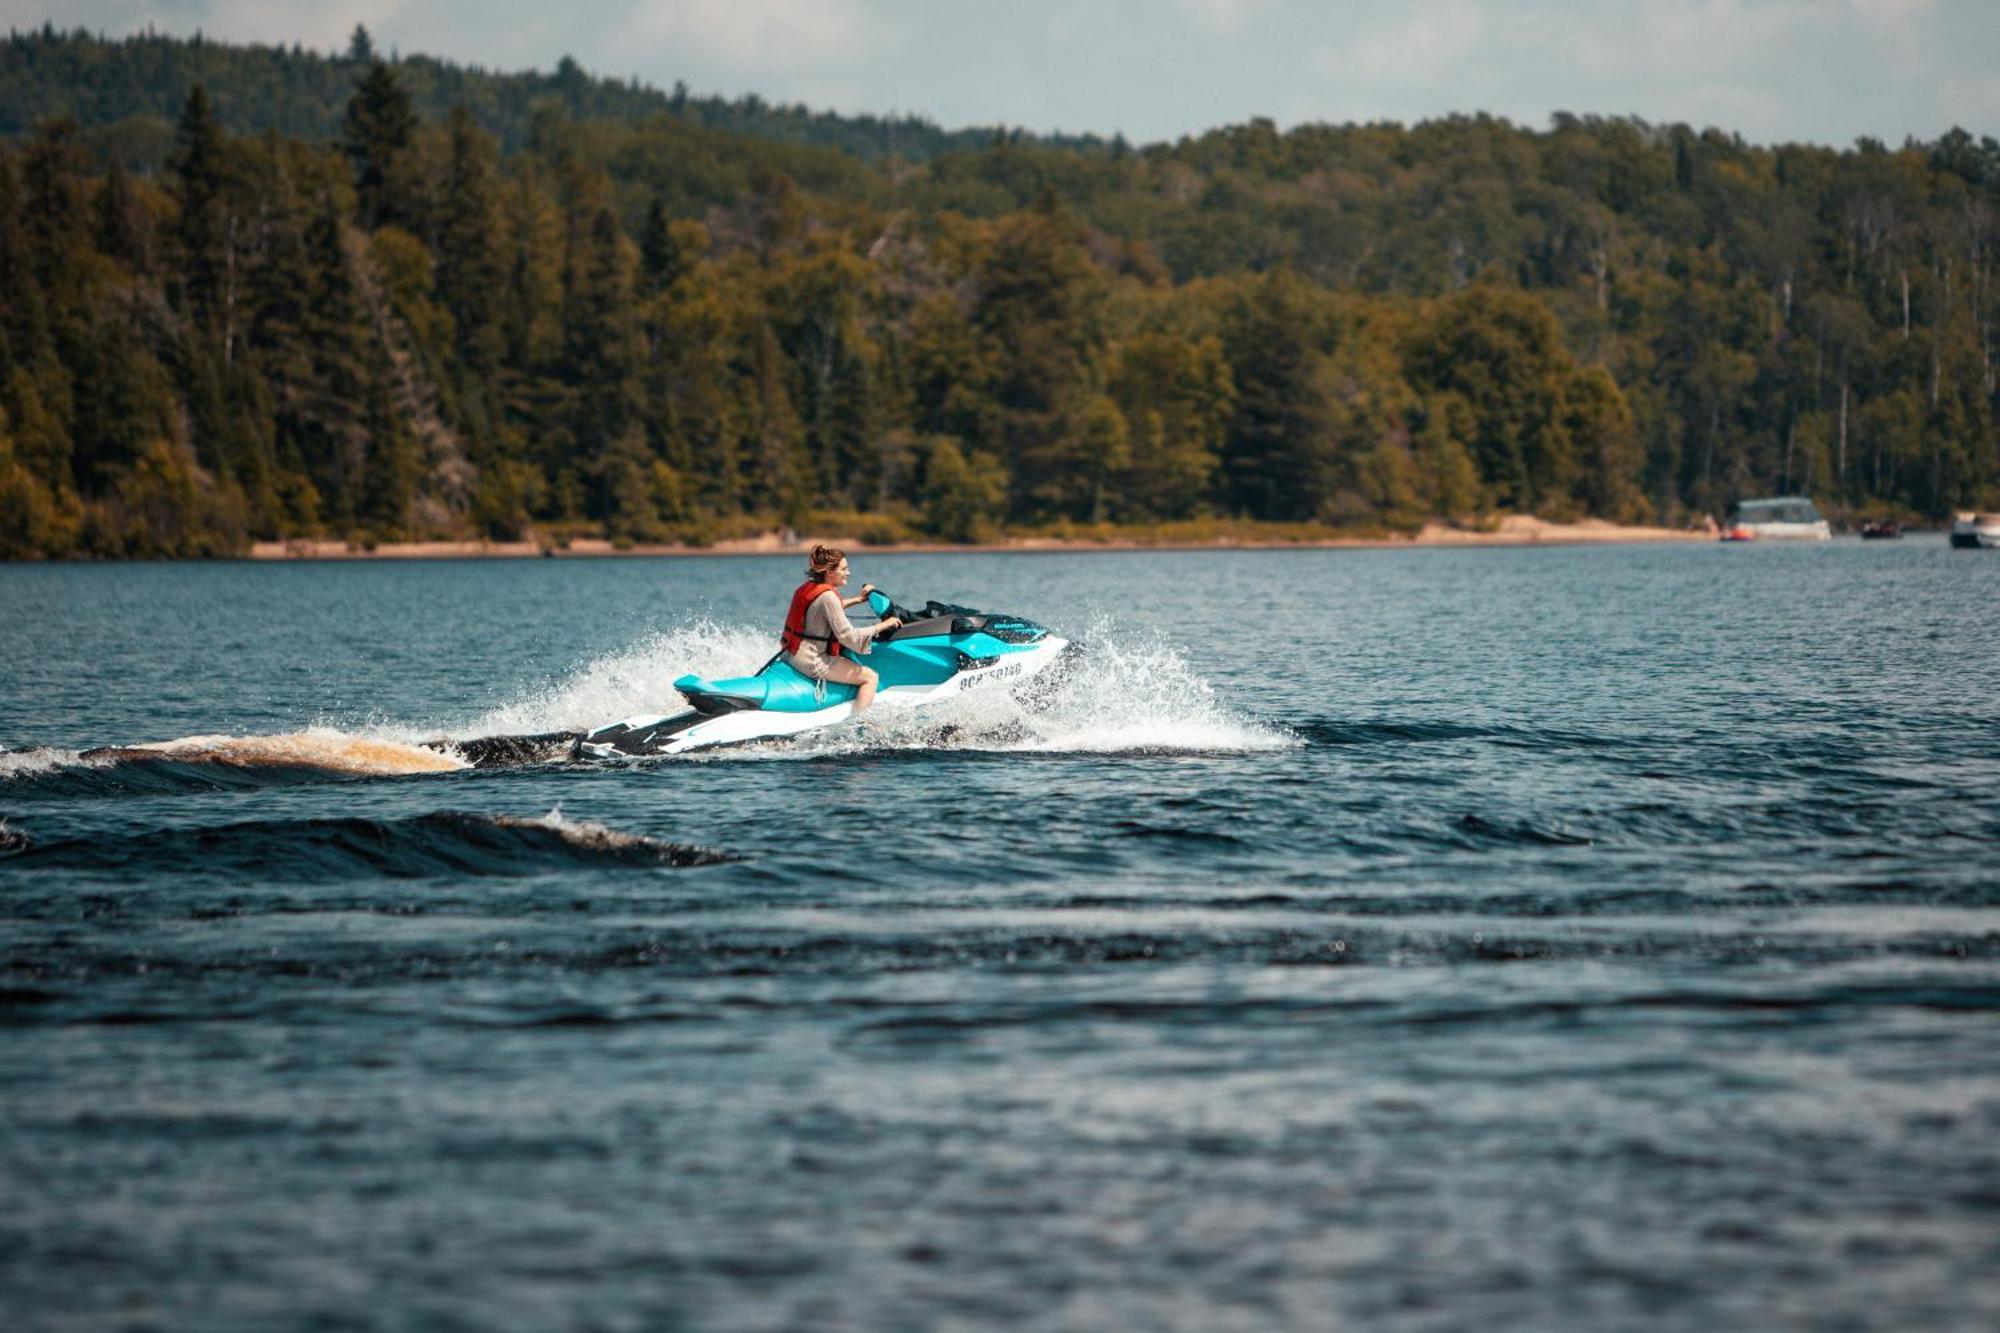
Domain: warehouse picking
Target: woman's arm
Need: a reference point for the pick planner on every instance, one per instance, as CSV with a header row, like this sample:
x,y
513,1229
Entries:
x,y
843,630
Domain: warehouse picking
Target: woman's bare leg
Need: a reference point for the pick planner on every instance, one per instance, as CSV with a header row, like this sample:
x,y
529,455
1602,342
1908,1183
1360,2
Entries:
x,y
847,671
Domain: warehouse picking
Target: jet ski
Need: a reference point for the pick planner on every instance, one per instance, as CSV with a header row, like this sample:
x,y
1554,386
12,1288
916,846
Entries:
x,y
942,652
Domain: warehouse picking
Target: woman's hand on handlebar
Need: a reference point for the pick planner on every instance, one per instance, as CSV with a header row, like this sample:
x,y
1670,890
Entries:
x,y
892,622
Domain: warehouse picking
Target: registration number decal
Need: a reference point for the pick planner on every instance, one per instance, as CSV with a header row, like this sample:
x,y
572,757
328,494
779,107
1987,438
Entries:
x,y
991,673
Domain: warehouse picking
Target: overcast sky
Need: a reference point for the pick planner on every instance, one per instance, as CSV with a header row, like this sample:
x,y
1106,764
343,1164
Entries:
x,y
1825,71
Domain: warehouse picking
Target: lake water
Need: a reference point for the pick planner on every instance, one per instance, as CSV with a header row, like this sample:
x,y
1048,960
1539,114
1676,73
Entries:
x,y
1412,939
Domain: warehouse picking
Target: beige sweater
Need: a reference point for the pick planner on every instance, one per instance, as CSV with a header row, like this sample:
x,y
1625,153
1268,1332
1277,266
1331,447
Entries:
x,y
826,617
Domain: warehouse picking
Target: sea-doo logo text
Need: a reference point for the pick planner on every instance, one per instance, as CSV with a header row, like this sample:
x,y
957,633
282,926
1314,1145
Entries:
x,y
992,673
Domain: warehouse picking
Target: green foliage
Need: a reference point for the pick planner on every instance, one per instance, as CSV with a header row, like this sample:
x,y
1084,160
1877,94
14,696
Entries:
x,y
378,131
255,293
35,518
298,93
962,495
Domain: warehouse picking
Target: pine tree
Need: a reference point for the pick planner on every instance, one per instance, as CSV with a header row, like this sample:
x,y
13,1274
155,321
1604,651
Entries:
x,y
379,127
122,231
1275,458
202,230
469,274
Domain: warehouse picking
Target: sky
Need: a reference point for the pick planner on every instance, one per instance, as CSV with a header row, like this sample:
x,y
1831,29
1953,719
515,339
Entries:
x,y
1819,71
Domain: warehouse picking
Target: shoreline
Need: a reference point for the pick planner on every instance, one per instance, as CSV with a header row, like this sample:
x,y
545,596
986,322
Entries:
x,y
1514,531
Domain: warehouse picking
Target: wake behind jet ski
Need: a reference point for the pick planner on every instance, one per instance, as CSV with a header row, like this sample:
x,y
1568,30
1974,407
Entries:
x,y
941,652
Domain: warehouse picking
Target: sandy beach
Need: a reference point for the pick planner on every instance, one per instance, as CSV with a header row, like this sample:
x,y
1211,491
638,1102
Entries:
x,y
1514,530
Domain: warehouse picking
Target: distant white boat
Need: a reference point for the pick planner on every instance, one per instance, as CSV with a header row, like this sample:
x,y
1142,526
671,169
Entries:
x,y
1975,531
1783,518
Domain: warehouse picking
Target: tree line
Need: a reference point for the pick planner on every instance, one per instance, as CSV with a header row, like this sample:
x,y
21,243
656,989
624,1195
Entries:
x,y
658,329
138,83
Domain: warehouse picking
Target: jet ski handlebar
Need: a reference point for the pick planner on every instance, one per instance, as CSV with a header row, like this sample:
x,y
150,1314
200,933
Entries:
x,y
883,606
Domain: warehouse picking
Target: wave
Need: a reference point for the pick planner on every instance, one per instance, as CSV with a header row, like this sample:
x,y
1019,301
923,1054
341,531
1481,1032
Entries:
x,y
1391,731
202,763
443,843
40,761
320,749
1471,831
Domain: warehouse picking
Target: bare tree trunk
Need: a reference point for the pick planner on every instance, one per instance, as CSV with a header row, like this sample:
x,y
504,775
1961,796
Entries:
x,y
1840,458
412,388
1708,453
229,296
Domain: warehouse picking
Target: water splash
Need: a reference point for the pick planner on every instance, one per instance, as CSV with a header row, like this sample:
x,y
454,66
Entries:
x,y
631,681
1141,694
1129,695
34,763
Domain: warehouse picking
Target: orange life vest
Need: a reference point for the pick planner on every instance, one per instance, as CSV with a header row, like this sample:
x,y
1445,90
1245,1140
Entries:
x,y
794,634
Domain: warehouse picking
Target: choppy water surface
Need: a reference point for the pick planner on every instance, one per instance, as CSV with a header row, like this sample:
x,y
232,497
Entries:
x,y
1540,938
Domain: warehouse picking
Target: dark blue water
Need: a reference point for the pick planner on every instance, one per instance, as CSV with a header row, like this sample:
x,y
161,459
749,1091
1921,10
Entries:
x,y
1424,939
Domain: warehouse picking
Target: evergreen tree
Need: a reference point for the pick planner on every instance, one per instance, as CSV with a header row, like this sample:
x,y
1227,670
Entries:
x,y
123,232
203,228
470,279
1276,459
379,128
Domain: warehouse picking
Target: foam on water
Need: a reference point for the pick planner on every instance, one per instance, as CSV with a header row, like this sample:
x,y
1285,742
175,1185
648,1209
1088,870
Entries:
x,y
583,833
35,762
210,761
315,747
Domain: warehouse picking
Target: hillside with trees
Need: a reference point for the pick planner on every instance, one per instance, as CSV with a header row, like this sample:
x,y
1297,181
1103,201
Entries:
x,y
480,304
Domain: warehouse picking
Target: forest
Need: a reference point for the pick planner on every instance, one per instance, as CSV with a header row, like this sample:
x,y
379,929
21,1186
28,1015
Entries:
x,y
252,293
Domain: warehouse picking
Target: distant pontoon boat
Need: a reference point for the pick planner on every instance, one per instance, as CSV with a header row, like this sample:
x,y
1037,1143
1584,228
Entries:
x,y
1784,518
1974,531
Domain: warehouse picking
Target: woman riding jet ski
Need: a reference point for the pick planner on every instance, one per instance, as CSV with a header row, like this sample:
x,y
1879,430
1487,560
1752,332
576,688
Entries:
x,y
817,628
917,659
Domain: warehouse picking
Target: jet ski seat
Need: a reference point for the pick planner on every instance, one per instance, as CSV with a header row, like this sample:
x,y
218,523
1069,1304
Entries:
x,y
778,688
